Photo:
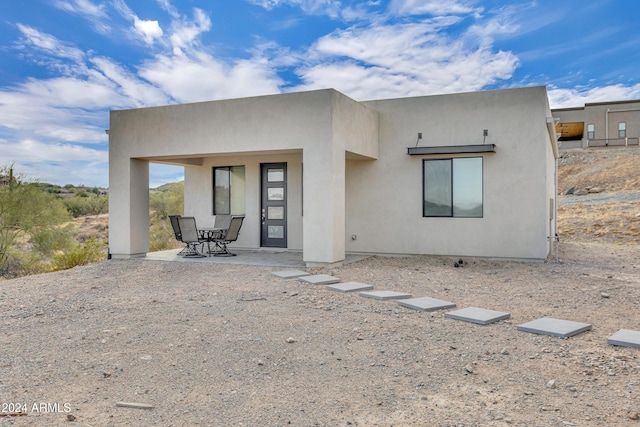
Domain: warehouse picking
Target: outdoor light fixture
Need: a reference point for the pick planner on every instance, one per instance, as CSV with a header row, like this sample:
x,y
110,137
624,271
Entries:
x,y
419,138
485,133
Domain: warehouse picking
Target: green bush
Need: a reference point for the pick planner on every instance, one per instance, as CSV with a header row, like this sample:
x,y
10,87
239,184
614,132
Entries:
x,y
88,204
81,254
162,203
27,216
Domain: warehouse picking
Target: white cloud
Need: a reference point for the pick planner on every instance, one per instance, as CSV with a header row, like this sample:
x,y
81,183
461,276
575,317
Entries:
x,y
95,14
56,163
148,30
49,44
317,7
185,34
577,97
200,77
29,150
431,7
394,60
82,7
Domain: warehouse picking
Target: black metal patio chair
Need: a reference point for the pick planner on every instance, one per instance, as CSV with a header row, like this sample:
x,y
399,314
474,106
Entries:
x,y
227,236
191,236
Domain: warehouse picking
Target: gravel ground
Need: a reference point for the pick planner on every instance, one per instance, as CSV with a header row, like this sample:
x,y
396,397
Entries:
x,y
222,345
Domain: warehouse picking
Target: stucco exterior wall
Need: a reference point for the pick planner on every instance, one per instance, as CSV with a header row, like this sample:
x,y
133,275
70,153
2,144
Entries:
x,y
384,198
297,127
199,195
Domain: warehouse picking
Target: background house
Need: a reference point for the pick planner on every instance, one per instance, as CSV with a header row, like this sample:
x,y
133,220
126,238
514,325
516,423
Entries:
x,y
598,124
323,174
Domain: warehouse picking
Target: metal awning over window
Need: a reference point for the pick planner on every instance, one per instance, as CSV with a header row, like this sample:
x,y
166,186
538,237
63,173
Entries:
x,y
452,149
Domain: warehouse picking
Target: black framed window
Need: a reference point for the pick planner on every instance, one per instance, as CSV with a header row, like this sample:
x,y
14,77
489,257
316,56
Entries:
x,y
228,190
452,187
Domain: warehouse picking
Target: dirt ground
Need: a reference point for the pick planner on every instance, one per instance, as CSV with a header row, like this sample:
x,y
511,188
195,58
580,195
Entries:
x,y
207,345
221,345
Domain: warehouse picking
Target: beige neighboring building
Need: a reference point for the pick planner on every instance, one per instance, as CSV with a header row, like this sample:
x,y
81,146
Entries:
x,y
598,124
468,174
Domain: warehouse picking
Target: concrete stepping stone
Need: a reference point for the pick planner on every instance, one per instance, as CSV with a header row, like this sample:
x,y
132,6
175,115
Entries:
x,y
625,338
319,279
350,287
385,295
481,316
554,327
290,274
426,304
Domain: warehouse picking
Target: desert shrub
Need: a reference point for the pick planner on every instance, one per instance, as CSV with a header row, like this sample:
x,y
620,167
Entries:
x,y
169,201
27,215
88,204
162,203
82,254
21,263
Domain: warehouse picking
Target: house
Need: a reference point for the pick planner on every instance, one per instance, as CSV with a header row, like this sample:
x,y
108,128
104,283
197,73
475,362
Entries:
x,y
466,174
599,124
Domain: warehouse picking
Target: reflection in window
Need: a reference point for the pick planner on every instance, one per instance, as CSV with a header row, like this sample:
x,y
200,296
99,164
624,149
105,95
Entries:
x,y
453,188
228,190
275,175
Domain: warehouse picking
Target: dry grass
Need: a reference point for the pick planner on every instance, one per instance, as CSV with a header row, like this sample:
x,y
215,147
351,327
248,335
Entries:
x,y
610,169
607,222
615,172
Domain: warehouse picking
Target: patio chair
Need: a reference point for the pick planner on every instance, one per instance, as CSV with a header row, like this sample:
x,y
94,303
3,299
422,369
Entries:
x,y
220,226
191,236
227,236
177,233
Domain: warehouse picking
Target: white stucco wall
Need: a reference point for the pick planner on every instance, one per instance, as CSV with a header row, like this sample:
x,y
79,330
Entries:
x,y
384,198
351,158
294,128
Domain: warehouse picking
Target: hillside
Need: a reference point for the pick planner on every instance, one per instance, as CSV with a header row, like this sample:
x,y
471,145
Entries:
x,y
605,202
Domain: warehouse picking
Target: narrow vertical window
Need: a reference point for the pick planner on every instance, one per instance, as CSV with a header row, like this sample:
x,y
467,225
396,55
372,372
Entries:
x,y
591,131
622,130
228,190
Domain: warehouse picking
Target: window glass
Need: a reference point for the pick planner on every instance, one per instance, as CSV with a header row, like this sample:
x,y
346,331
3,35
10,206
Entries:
x,y
467,187
622,130
275,212
437,188
591,131
222,191
453,188
275,175
228,190
275,193
275,232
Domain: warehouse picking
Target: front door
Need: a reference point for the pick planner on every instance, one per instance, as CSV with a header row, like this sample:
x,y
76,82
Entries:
x,y
274,205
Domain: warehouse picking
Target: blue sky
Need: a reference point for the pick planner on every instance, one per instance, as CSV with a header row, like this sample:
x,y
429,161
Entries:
x,y
65,63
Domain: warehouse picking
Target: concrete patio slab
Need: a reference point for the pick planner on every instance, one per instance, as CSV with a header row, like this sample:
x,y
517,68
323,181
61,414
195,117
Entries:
x,y
554,327
350,287
625,338
426,304
319,279
290,274
480,316
385,295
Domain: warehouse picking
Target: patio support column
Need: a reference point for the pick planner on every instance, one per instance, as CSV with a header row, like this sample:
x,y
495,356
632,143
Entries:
x,y
128,207
324,204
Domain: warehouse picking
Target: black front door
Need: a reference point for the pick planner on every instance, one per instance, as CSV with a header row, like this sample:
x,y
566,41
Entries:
x,y
274,205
